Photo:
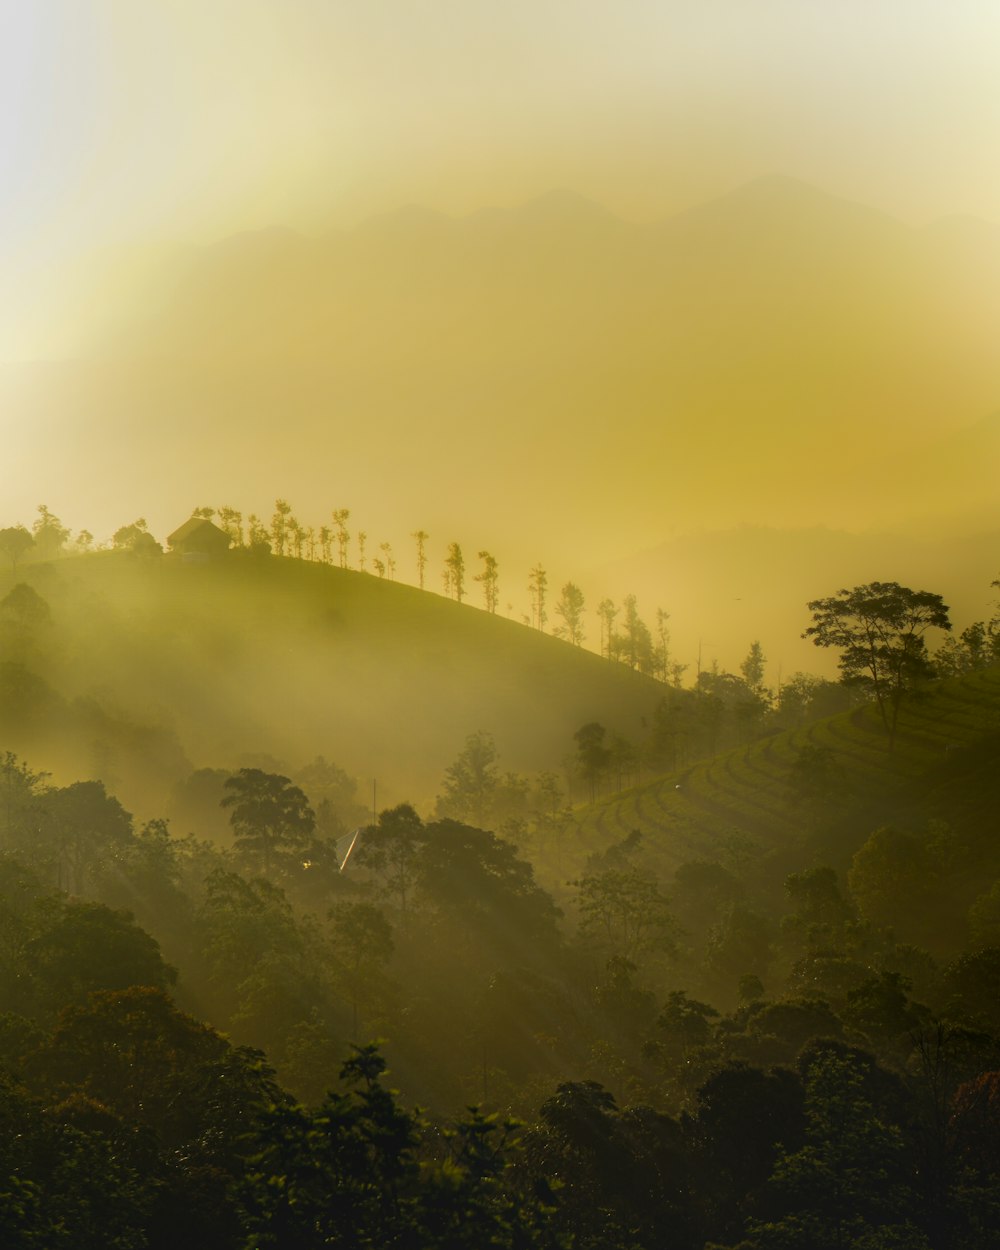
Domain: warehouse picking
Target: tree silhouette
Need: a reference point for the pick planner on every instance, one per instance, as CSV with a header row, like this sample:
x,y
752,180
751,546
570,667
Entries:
x,y
593,757
340,519
421,537
879,630
637,642
471,781
124,538
88,831
364,940
570,608
390,849
279,525
454,572
752,668
50,533
231,521
297,537
625,913
271,818
538,581
257,536
326,544
607,611
662,653
489,580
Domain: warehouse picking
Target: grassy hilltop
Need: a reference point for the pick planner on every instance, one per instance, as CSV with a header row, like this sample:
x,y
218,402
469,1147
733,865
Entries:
x,y
151,667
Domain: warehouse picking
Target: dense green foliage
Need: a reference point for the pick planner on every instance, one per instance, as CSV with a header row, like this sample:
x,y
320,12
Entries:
x,y
751,1004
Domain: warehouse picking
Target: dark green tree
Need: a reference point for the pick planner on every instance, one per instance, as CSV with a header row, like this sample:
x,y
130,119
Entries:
x,y
50,534
340,518
349,1174
454,572
661,653
480,881
847,1185
975,648
879,631
24,617
89,947
231,520
126,536
893,879
635,644
607,611
421,537
364,943
83,831
20,789
489,579
752,668
470,783
271,818
684,1025
570,609
279,525
593,756
15,542
390,849
538,581
625,913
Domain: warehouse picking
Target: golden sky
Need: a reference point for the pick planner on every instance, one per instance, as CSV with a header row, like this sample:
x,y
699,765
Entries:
x,y
130,122
122,119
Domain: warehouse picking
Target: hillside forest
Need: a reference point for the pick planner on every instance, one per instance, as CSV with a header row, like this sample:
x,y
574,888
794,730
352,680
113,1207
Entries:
x,y
600,950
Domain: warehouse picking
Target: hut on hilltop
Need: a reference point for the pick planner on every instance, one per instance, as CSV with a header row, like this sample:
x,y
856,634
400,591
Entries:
x,y
199,539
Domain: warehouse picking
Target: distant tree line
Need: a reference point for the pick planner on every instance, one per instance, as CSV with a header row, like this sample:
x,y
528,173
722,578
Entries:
x,y
284,535
879,629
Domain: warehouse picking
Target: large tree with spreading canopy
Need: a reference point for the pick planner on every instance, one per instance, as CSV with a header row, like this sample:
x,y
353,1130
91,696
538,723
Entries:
x,y
879,630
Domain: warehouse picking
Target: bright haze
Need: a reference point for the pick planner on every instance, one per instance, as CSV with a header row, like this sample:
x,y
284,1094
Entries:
x,y
573,281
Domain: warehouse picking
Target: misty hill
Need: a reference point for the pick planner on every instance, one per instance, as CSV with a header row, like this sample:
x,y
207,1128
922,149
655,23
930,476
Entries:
x,y
151,667
813,795
775,356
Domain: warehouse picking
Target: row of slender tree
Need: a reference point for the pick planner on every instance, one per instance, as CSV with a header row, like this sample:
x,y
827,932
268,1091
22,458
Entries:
x,y
632,643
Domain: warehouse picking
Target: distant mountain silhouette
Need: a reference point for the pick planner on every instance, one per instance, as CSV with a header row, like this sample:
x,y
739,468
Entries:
x,y
779,355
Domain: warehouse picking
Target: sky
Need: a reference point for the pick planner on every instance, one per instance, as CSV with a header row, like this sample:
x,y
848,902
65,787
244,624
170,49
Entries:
x,y
184,119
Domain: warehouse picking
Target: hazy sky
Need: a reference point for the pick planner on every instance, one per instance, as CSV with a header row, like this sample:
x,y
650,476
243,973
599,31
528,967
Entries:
x,y
121,119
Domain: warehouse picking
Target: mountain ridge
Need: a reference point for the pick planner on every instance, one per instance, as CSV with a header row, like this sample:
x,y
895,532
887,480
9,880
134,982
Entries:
x,y
646,365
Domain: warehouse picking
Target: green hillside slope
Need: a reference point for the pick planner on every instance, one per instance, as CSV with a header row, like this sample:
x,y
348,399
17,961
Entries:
x,y
245,658
814,794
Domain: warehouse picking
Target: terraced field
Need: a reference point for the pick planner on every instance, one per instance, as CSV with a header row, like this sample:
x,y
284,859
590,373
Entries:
x,y
945,765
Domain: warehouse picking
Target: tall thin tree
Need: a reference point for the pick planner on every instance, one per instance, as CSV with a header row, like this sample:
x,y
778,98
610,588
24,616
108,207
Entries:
x,y
340,519
279,525
538,581
455,571
489,579
607,611
421,537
